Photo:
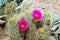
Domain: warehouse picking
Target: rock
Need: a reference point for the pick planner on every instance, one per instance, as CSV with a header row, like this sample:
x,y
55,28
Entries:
x,y
51,38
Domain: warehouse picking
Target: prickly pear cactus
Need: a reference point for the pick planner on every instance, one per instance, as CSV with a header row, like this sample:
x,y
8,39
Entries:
x,y
14,14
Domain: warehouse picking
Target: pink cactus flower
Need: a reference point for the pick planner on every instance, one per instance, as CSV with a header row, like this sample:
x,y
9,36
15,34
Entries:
x,y
23,25
37,14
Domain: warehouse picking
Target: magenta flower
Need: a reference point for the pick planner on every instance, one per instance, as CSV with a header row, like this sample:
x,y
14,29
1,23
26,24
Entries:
x,y
22,25
37,14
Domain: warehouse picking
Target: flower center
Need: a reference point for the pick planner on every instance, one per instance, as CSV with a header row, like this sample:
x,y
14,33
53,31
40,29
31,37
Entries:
x,y
22,25
36,15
